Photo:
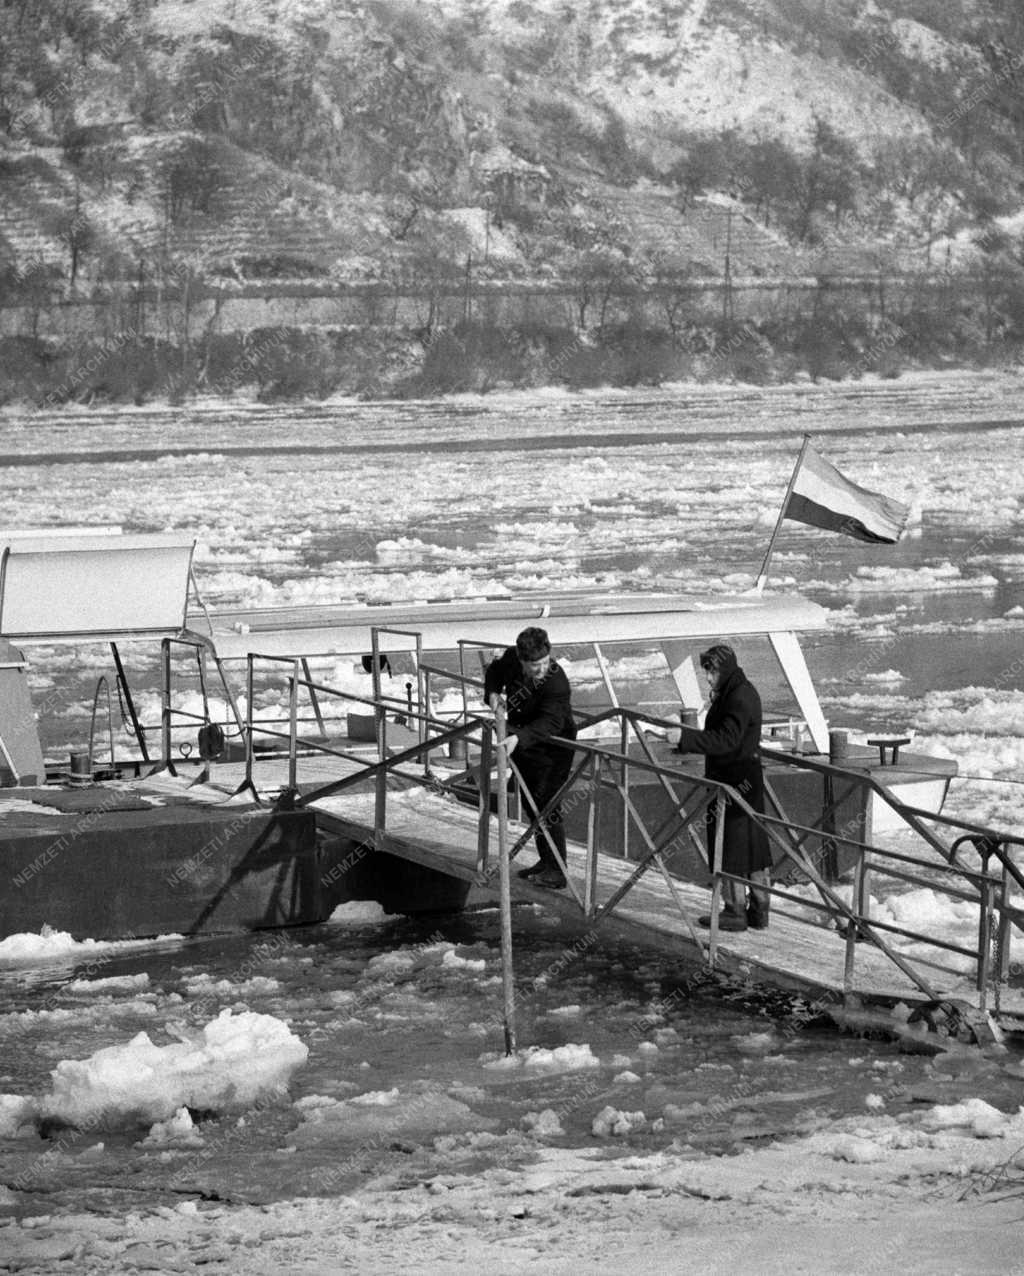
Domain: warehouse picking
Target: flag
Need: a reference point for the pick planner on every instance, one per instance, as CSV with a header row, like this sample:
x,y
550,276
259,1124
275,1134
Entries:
x,y
823,497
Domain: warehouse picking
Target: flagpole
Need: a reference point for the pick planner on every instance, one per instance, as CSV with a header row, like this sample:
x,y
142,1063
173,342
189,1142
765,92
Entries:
x,y
762,575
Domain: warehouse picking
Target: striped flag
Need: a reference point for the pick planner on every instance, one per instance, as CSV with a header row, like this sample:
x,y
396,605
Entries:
x,y
821,496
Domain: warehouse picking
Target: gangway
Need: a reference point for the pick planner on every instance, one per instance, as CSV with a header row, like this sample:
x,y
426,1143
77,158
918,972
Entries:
x,y
409,801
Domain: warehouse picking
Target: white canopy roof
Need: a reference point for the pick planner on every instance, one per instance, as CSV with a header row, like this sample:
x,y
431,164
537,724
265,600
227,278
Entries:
x,y
76,584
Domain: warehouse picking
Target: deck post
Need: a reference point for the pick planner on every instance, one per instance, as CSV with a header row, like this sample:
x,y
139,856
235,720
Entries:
x,y
1003,929
829,850
859,906
204,774
984,933
248,721
624,749
716,889
505,882
293,726
380,728
590,879
425,709
165,708
423,701
484,818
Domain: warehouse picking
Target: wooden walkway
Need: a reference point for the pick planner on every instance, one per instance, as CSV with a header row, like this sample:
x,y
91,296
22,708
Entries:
x,y
440,833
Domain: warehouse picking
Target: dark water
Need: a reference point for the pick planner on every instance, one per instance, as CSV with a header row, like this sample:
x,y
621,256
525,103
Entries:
x,y
716,1065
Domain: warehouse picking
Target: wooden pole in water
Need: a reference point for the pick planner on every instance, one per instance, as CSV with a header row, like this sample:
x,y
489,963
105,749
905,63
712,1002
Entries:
x,y
505,880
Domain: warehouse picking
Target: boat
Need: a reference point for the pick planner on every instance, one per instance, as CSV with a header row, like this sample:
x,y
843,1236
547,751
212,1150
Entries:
x,y
176,835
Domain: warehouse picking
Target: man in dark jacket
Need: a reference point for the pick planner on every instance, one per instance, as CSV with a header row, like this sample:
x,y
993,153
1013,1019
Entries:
x,y
729,742
537,699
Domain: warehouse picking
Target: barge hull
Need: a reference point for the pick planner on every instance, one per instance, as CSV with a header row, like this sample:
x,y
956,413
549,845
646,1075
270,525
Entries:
x,y
116,874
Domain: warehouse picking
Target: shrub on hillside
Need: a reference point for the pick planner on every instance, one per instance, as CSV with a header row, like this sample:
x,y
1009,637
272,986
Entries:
x,y
640,356
26,363
471,357
290,363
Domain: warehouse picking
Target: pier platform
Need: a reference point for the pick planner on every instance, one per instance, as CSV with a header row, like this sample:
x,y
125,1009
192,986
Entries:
x,y
189,857
792,953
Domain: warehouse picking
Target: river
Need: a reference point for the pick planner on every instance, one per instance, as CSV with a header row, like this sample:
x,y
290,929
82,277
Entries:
x,y
676,488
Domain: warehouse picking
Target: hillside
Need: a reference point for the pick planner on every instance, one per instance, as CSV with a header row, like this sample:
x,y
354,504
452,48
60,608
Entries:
x,y
196,149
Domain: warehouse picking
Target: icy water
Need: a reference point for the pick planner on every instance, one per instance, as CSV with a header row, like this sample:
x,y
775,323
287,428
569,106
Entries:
x,y
670,489
675,488
405,1016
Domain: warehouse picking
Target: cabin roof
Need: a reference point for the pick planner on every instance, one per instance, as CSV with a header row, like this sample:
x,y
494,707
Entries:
x,y
570,618
78,584
74,585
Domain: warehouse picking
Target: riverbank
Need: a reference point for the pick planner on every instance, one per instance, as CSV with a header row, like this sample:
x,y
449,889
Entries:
x,y
121,358
834,1202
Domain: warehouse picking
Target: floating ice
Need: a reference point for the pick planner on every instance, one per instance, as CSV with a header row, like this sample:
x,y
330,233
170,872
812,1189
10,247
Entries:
x,y
390,963
179,1131
850,1147
611,1121
980,1118
235,1061
377,1098
27,948
204,985
49,943
567,1058
115,983
371,1116
17,1116
545,1125
452,959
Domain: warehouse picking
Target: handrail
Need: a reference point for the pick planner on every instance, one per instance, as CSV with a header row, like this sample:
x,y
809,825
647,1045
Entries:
x,y
1007,913
839,905
913,815
599,763
202,647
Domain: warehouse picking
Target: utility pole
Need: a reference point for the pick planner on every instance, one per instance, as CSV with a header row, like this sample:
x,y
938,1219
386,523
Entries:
x,y
727,274
467,299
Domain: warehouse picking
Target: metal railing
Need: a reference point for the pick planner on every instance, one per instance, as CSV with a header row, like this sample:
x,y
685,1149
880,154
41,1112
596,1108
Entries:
x,y
170,716
991,892
613,764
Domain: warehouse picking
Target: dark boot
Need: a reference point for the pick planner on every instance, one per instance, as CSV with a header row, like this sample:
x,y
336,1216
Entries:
x,y
757,911
547,871
728,919
759,900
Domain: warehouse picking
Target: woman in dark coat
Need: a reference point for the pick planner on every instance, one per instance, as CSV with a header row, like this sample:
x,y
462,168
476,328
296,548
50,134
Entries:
x,y
729,742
